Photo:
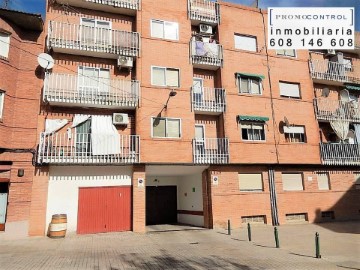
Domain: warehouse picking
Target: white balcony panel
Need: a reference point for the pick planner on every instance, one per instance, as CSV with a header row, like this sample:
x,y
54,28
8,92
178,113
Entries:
x,y
340,154
66,90
211,150
204,11
206,55
92,41
208,100
327,109
75,148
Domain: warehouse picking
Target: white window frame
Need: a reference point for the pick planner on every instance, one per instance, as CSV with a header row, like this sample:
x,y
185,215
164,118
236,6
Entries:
x,y
6,44
292,134
292,97
252,123
164,32
96,22
166,118
278,52
152,82
2,99
249,84
248,36
97,79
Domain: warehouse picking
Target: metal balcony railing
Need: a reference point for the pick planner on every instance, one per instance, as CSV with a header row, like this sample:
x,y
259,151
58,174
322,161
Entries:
x,y
90,91
129,4
327,109
204,11
207,99
340,153
68,36
334,71
76,148
211,150
204,53
104,5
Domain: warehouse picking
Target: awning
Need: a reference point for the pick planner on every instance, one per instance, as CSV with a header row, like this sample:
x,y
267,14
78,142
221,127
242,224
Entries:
x,y
252,118
237,74
352,87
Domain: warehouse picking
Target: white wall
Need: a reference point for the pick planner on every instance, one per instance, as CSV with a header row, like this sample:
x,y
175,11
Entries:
x,y
65,182
186,198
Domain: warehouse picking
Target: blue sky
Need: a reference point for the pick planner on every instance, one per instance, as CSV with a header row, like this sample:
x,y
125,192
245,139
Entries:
x,y
38,6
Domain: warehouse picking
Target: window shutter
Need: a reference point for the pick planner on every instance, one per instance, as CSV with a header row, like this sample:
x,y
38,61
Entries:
x,y
290,52
157,29
173,128
1,103
257,126
159,127
289,89
294,130
104,80
292,181
245,43
245,126
248,182
255,86
4,44
172,77
244,82
171,30
158,76
323,181
357,179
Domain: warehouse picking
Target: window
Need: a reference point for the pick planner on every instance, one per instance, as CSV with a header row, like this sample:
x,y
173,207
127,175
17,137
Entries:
x,y
166,127
357,180
328,215
348,64
290,53
2,97
254,219
95,31
292,181
249,85
291,90
4,44
252,131
294,134
250,182
93,81
296,217
323,181
247,43
166,30
165,76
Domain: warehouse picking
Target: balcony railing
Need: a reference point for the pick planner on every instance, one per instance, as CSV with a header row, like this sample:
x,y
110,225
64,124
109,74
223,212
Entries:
x,y
77,148
104,5
327,109
207,99
88,40
333,71
211,150
68,89
204,11
340,153
204,53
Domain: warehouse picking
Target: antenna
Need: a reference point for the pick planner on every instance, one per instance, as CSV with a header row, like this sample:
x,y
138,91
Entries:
x,y
325,92
45,61
286,121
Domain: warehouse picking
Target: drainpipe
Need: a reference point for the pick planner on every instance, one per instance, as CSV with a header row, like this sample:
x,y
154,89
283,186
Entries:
x,y
273,200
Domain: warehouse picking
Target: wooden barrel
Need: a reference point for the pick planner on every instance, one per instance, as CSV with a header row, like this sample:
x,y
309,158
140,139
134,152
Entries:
x,y
58,225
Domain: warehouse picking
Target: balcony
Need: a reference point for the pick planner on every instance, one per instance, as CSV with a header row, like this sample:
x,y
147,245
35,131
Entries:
x,y
327,109
92,41
324,71
206,55
207,100
211,150
203,11
75,91
72,148
127,7
340,154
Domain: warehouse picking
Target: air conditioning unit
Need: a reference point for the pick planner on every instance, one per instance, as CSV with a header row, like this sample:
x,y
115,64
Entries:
x,y
205,29
125,62
120,119
331,52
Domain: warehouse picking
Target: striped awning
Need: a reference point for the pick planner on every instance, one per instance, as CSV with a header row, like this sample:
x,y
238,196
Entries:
x,y
352,87
252,118
259,76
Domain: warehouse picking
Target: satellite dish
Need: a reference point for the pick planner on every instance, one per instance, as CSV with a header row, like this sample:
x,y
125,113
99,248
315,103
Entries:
x,y
344,95
45,61
325,92
286,121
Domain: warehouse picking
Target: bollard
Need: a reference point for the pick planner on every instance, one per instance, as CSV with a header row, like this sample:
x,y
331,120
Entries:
x,y
276,233
249,231
229,227
317,245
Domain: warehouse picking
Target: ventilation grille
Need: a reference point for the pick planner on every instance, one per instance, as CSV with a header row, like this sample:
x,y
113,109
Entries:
x,y
254,219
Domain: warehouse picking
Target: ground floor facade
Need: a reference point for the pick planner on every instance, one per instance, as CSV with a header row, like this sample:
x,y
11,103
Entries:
x,y
99,199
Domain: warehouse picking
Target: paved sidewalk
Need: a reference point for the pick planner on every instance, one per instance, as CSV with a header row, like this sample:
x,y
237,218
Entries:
x,y
190,249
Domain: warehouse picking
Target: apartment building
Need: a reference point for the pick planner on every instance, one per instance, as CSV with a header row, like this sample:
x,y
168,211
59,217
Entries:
x,y
21,39
163,111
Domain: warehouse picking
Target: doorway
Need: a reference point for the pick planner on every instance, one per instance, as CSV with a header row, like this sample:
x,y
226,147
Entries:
x,y
4,190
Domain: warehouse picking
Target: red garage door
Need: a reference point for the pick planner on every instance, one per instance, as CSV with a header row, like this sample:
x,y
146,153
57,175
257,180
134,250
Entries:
x,y
104,209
